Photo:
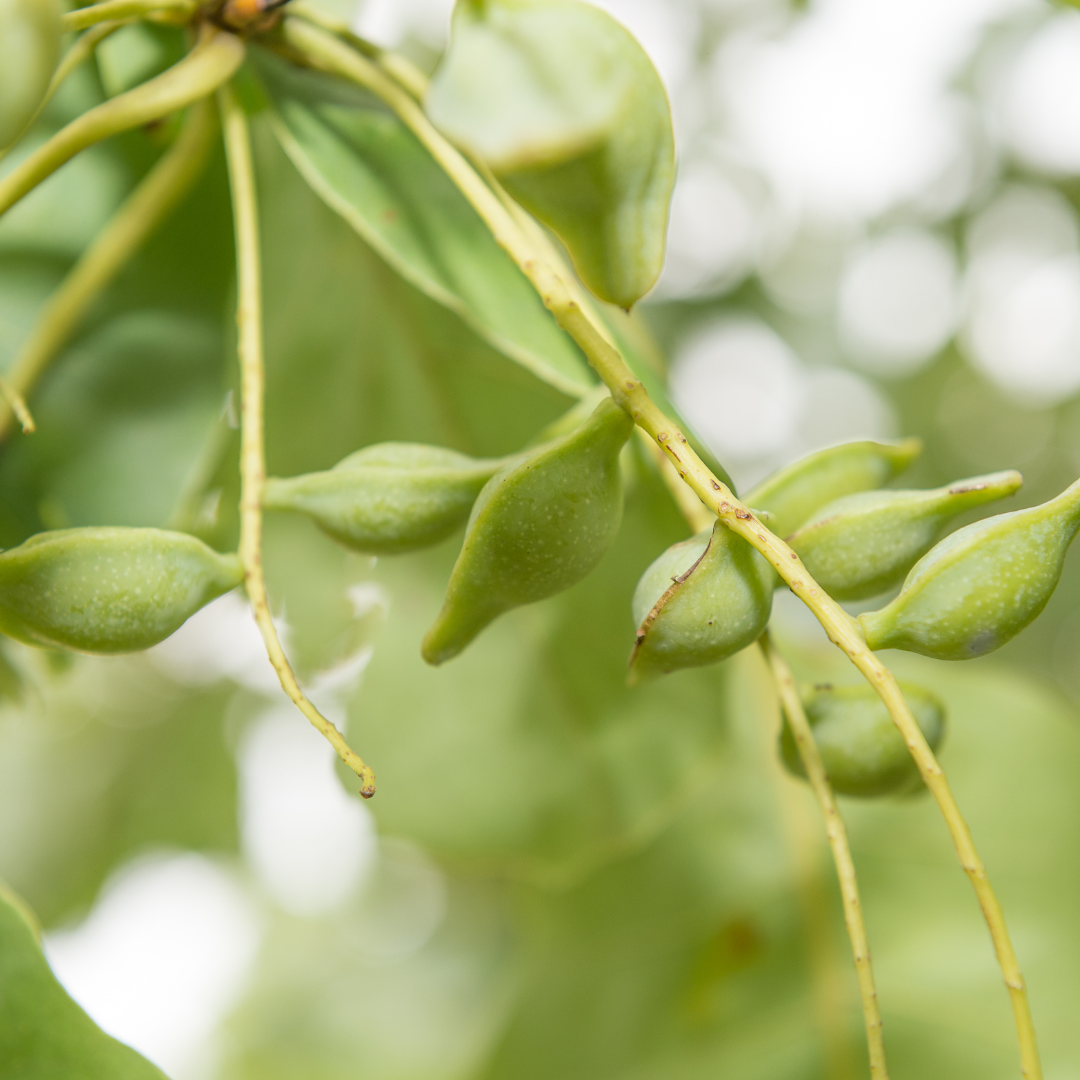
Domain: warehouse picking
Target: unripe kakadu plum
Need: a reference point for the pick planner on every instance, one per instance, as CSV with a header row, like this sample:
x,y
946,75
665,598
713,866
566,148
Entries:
x,y
568,111
980,586
389,498
29,52
108,590
793,493
864,544
700,602
539,526
863,752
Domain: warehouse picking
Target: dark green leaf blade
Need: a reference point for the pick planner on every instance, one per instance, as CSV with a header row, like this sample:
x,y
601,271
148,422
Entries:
x,y
44,1035
369,168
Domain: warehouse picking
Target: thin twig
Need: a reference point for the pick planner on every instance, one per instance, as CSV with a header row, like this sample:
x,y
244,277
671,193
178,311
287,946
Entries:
x,y
201,72
841,852
252,390
143,211
81,18
324,51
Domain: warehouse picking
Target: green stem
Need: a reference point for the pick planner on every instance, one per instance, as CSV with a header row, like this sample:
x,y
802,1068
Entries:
x,y
145,209
201,72
81,18
329,54
252,391
841,852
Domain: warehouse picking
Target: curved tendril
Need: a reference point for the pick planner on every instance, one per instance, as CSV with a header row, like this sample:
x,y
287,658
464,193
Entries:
x,y
324,51
252,389
213,60
142,212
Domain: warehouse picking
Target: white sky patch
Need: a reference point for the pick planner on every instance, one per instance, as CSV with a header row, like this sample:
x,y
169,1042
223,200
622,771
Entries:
x,y
849,111
162,957
898,301
1040,103
308,841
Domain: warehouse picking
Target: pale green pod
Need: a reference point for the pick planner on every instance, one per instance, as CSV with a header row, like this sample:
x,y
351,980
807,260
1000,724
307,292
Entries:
x,y
980,586
700,602
388,498
863,545
863,752
793,493
569,112
108,590
539,526
29,52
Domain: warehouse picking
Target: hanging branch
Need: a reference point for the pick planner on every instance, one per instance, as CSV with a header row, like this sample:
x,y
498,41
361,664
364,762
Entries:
x,y
252,390
328,53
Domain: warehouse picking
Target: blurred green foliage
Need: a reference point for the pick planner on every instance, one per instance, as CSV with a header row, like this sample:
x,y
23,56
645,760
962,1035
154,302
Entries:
x,y
618,897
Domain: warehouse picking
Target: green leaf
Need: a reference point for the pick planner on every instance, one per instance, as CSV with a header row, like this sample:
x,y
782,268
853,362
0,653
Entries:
x,y
370,169
44,1035
567,109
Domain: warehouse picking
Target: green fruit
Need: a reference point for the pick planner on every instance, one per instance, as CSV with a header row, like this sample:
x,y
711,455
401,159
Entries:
x,y
700,602
29,53
568,111
539,526
108,590
386,499
861,749
792,494
863,545
980,586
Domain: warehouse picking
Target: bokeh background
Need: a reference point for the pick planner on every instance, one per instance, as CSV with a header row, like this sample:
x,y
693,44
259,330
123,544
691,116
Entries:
x,y
874,233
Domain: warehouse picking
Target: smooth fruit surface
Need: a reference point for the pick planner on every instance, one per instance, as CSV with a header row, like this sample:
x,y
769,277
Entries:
x,y
108,590
388,498
863,545
568,110
539,526
793,493
861,749
700,602
29,51
980,586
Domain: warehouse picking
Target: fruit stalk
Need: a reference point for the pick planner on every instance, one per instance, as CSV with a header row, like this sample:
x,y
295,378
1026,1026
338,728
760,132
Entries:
x,y
144,210
841,852
252,390
327,53
81,18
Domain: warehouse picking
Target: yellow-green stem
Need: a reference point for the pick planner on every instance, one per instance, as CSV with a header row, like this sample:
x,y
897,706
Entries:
x,y
81,18
841,852
327,52
213,60
252,389
146,207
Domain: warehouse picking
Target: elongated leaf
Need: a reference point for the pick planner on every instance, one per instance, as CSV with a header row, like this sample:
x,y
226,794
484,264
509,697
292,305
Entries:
x,y
44,1035
369,168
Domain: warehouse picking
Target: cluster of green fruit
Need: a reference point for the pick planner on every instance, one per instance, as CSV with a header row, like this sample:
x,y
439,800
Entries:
x,y
29,52
539,521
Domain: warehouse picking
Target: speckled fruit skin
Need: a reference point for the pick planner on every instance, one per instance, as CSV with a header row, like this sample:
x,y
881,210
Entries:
x,y
108,590
792,494
29,52
860,747
863,545
700,602
539,526
981,586
387,499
